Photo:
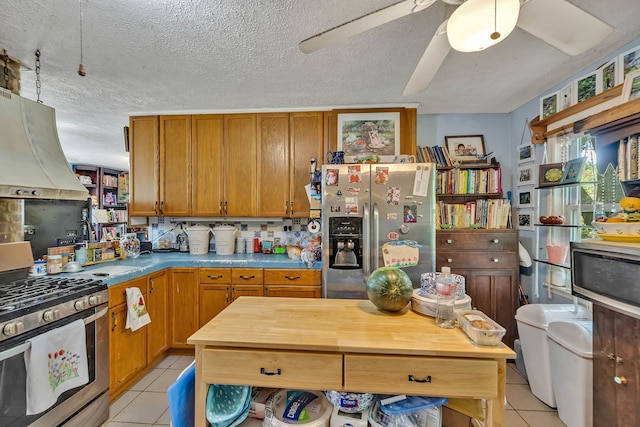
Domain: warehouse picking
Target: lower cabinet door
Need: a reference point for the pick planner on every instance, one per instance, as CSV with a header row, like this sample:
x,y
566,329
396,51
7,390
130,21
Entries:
x,y
184,305
158,308
127,350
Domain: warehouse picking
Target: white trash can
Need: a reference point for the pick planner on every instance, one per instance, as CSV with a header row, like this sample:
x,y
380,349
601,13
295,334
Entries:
x,y
570,348
532,321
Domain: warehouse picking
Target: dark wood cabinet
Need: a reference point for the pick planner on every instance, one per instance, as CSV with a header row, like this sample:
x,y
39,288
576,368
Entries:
x,y
488,259
616,369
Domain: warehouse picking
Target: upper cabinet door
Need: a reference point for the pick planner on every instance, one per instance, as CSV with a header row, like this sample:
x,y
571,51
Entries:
x,y
144,157
306,141
273,165
175,165
240,165
207,176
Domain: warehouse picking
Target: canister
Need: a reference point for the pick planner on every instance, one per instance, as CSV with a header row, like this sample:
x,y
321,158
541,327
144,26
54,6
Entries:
x,y
240,248
54,264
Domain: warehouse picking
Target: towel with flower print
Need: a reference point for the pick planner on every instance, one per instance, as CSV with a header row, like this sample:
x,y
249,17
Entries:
x,y
56,361
137,314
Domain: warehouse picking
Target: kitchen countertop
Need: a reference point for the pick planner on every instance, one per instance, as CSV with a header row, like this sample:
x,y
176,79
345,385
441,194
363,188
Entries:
x,y
130,268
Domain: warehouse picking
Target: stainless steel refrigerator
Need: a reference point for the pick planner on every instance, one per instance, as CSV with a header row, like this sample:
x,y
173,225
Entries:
x,y
371,213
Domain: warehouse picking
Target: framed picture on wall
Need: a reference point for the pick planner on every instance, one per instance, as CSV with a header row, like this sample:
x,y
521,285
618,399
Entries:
x,y
465,148
573,170
629,61
610,74
525,175
587,86
565,97
369,134
525,153
550,174
631,87
549,105
525,197
525,219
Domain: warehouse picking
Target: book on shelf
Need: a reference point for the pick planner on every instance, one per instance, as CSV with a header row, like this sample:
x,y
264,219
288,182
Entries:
x,y
469,181
480,213
436,154
628,158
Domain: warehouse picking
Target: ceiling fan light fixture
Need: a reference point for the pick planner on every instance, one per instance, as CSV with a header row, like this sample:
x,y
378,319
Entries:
x,y
478,24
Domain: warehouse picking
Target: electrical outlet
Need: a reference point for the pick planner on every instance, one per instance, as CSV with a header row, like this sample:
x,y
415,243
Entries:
x,y
270,234
29,229
263,227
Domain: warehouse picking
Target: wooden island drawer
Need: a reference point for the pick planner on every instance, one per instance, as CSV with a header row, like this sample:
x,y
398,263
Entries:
x,y
429,376
468,260
265,368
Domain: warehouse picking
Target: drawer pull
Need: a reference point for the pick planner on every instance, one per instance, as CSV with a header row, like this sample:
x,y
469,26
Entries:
x,y
214,277
263,372
247,277
620,380
449,260
449,241
292,277
495,260
495,241
414,379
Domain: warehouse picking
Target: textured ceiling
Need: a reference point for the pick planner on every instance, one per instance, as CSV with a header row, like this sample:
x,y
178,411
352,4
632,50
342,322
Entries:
x,y
172,56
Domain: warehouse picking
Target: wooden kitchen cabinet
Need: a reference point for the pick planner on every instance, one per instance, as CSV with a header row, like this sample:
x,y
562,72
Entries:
x,y
207,176
616,367
184,305
292,283
240,165
127,349
488,259
160,163
144,158
214,291
287,142
158,308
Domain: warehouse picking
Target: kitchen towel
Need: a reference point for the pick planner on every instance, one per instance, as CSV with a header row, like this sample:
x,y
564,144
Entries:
x,y
55,362
137,314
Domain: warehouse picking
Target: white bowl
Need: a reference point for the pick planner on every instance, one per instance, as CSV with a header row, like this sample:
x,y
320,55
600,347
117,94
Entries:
x,y
617,228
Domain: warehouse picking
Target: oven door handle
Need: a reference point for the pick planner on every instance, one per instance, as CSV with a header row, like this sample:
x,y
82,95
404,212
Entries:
x,y
25,346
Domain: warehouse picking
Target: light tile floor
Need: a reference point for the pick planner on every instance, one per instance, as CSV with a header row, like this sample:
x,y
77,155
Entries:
x,y
145,403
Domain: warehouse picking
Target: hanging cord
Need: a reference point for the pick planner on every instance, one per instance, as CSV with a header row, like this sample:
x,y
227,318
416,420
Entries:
x,y
81,71
38,85
5,58
495,35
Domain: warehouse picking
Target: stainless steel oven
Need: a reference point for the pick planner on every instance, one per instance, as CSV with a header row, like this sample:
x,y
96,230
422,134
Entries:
x,y
31,306
607,273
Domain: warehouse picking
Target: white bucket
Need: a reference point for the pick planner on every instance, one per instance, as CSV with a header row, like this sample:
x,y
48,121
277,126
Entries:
x,y
225,239
198,239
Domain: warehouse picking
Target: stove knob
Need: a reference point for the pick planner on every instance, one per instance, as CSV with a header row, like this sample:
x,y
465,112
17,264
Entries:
x,y
13,328
79,305
95,300
51,315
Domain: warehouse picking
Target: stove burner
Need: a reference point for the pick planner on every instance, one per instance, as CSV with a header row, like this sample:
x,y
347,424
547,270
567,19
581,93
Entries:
x,y
25,293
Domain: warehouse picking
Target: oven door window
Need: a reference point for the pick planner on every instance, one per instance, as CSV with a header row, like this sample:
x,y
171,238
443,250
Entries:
x,y
13,380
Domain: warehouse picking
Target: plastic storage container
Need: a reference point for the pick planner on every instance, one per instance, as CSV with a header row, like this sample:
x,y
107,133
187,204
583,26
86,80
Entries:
x,y
480,327
533,321
446,298
570,349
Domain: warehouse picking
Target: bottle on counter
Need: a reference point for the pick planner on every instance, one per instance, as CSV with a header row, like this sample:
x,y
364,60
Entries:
x,y
446,299
54,264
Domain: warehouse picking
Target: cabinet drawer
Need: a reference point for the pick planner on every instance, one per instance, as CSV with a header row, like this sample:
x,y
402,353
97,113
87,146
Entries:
x,y
248,276
494,260
118,294
315,371
430,376
477,241
277,276
215,275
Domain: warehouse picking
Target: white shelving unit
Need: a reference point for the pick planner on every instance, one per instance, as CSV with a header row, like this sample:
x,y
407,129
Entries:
x,y
553,273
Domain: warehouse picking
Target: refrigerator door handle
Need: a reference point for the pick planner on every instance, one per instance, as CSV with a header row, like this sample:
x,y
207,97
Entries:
x,y
366,243
376,236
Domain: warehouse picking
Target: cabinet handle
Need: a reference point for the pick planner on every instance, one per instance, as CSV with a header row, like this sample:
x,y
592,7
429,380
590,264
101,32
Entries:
x,y
214,277
620,380
414,379
248,277
265,372
155,207
615,358
291,208
226,295
286,207
449,260
225,207
495,259
495,241
115,321
161,207
220,208
292,277
449,241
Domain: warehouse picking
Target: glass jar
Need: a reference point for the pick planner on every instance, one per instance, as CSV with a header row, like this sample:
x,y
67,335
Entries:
x,y
54,264
130,245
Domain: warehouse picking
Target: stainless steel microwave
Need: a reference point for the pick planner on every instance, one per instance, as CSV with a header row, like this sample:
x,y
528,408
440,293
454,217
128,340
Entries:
x,y
607,273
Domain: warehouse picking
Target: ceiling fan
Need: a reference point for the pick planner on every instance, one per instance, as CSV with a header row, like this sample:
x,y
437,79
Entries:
x,y
475,25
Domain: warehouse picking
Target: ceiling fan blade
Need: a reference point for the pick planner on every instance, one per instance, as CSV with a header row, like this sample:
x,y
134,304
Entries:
x,y
562,25
363,23
430,62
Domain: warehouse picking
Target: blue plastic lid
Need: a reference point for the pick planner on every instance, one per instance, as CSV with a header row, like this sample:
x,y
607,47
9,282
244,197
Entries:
x,y
410,404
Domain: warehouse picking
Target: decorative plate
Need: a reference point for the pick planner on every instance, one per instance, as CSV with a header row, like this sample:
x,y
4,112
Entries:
x,y
619,238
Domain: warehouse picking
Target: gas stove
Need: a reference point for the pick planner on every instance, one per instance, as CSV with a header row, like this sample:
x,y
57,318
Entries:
x,y
29,303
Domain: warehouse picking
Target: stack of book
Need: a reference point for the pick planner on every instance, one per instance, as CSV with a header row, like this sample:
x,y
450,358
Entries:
x,y
628,167
436,154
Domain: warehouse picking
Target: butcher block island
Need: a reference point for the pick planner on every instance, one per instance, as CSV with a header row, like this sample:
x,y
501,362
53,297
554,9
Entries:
x,y
345,345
